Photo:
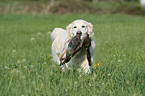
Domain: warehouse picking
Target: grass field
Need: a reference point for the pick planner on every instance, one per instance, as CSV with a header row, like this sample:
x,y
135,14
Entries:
x,y
27,67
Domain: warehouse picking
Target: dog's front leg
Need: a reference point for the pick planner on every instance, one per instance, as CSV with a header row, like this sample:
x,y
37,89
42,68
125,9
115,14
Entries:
x,y
92,51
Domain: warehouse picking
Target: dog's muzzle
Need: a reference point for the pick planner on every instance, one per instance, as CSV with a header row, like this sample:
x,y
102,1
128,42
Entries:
x,y
79,32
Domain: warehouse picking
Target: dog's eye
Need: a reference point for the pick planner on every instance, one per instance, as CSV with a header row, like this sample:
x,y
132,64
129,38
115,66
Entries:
x,y
75,26
83,26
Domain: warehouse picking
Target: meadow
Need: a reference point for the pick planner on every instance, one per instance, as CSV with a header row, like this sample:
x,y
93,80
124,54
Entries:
x,y
27,67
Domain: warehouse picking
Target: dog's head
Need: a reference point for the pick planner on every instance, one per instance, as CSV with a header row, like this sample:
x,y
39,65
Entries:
x,y
80,27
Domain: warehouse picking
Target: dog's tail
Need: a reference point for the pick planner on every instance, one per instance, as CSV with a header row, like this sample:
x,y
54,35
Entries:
x,y
57,32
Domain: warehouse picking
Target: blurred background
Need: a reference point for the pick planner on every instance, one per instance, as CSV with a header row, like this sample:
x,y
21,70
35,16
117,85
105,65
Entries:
x,y
41,7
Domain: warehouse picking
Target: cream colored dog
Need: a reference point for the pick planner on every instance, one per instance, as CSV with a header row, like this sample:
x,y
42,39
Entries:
x,y
60,38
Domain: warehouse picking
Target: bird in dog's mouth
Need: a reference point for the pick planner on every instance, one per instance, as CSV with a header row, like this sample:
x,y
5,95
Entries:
x,y
76,43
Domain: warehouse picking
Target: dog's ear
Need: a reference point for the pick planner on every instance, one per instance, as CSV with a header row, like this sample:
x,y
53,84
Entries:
x,y
90,30
69,30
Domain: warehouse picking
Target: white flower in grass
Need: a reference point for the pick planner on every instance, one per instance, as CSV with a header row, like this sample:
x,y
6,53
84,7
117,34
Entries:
x,y
79,70
32,39
33,82
15,71
119,60
23,60
53,65
81,86
48,33
25,67
42,85
18,71
39,33
51,73
22,77
36,89
7,67
18,61
76,83
90,84
127,82
12,71
103,83
94,77
108,74
22,95
14,51
44,63
31,66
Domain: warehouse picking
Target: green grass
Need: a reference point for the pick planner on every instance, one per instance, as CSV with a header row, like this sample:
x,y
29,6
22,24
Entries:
x,y
27,67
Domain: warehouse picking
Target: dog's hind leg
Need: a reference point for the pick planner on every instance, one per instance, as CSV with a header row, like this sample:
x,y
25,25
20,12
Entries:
x,y
55,55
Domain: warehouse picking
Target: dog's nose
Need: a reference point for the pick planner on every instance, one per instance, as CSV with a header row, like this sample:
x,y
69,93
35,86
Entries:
x,y
79,32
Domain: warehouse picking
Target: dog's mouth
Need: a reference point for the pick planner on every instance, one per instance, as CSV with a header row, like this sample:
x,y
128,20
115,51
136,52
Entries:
x,y
74,47
79,33
82,36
